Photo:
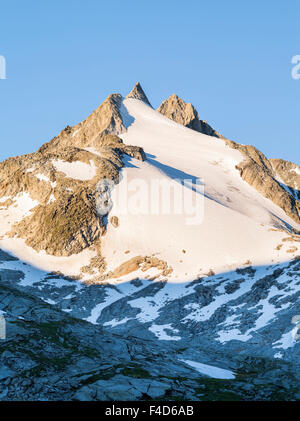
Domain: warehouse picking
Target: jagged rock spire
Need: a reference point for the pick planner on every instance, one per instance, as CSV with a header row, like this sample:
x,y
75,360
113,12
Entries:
x,y
138,93
185,113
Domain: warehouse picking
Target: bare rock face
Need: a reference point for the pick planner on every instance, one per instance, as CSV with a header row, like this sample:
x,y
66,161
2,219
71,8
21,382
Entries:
x,y
138,93
106,119
184,113
288,174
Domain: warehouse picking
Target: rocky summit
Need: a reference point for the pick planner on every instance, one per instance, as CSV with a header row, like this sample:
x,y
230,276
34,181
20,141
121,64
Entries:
x,y
181,112
110,289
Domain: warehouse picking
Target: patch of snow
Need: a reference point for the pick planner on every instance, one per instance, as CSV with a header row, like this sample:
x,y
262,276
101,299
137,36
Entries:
x,y
49,301
75,133
68,297
93,150
210,370
69,266
77,170
4,199
204,313
149,308
174,153
24,201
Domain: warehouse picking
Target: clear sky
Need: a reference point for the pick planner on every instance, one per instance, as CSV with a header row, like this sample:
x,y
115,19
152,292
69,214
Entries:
x,y
232,60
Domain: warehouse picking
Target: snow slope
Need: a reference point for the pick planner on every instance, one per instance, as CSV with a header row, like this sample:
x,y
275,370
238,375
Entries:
x,y
211,371
76,170
236,224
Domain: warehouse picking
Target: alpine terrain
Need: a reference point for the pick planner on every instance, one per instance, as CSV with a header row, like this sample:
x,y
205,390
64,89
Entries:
x,y
144,255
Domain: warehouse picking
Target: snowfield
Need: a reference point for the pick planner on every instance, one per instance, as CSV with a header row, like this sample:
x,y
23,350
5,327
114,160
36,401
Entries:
x,y
69,266
237,224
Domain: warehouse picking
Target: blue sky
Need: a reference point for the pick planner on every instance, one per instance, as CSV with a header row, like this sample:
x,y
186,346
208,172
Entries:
x,y
230,59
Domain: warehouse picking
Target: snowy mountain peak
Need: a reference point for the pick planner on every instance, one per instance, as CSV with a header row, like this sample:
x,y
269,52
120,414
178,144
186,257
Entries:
x,y
138,93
